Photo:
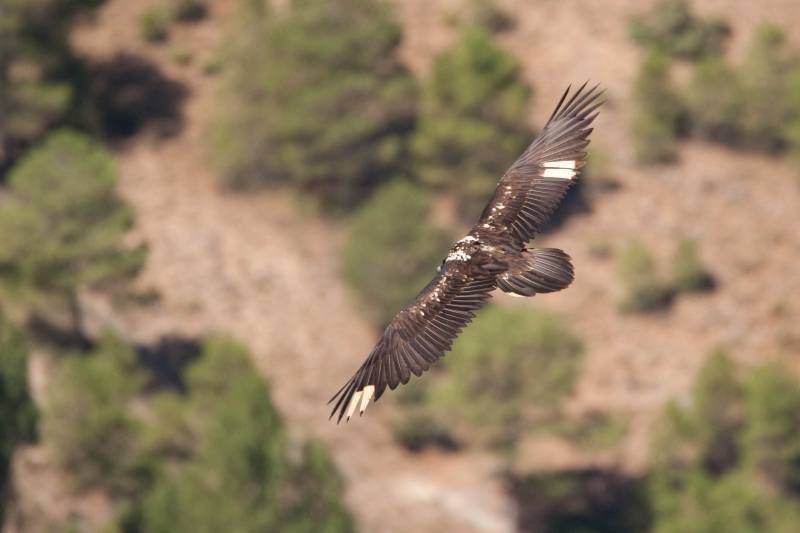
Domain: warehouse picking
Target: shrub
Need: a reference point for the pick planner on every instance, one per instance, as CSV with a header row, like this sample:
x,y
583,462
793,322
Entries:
x,y
595,430
688,272
644,291
720,458
716,101
317,99
773,431
38,71
659,113
87,423
672,27
393,249
235,473
507,373
472,124
769,107
17,410
586,500
153,25
63,224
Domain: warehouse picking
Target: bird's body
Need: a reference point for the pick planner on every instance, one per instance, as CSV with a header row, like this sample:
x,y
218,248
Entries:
x,y
493,255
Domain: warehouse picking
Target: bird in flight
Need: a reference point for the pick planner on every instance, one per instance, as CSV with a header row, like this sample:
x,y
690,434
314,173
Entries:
x,y
493,255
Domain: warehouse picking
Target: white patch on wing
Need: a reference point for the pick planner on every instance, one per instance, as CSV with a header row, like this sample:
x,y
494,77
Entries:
x,y
468,238
369,392
562,173
353,403
458,255
560,164
515,295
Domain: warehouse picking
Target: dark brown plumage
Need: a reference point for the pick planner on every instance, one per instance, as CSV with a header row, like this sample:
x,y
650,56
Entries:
x,y
493,255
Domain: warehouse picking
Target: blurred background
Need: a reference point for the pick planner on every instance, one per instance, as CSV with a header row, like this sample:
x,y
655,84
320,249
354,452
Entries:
x,y
209,208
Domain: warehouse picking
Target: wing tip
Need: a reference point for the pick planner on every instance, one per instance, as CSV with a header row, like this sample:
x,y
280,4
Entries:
x,y
578,101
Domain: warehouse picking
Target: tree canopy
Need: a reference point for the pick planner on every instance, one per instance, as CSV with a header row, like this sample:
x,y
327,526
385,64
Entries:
x,y
62,226
473,121
17,410
232,470
316,99
36,68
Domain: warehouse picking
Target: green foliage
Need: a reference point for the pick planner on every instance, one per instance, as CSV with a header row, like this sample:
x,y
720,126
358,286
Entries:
x,y
730,504
773,431
393,248
595,430
232,472
87,423
153,25
672,27
315,98
659,113
63,224
317,494
591,500
36,68
720,458
770,106
688,272
644,290
755,106
508,372
472,124
17,410
716,101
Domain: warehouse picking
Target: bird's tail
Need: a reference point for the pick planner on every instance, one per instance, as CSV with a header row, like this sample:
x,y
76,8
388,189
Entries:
x,y
538,270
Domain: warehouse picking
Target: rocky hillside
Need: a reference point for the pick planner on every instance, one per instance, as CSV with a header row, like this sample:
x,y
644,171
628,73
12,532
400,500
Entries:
x,y
265,268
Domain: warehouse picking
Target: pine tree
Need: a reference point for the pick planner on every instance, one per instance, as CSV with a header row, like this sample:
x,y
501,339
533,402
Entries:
x,y
87,421
473,120
317,99
235,473
17,410
659,116
63,224
37,68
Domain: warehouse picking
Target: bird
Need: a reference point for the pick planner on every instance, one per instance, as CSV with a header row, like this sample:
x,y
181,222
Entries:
x,y
493,255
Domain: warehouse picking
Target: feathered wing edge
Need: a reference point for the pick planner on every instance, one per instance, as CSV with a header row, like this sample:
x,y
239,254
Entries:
x,y
535,184
417,337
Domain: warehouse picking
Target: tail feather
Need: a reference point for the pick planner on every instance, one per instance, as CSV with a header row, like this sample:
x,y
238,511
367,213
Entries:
x,y
538,271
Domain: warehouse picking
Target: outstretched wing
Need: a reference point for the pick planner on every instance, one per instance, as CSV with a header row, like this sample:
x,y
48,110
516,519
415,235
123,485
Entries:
x,y
533,187
416,337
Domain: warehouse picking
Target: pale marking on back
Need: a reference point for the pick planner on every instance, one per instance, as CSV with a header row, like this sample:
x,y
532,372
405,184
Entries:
x,y
458,255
